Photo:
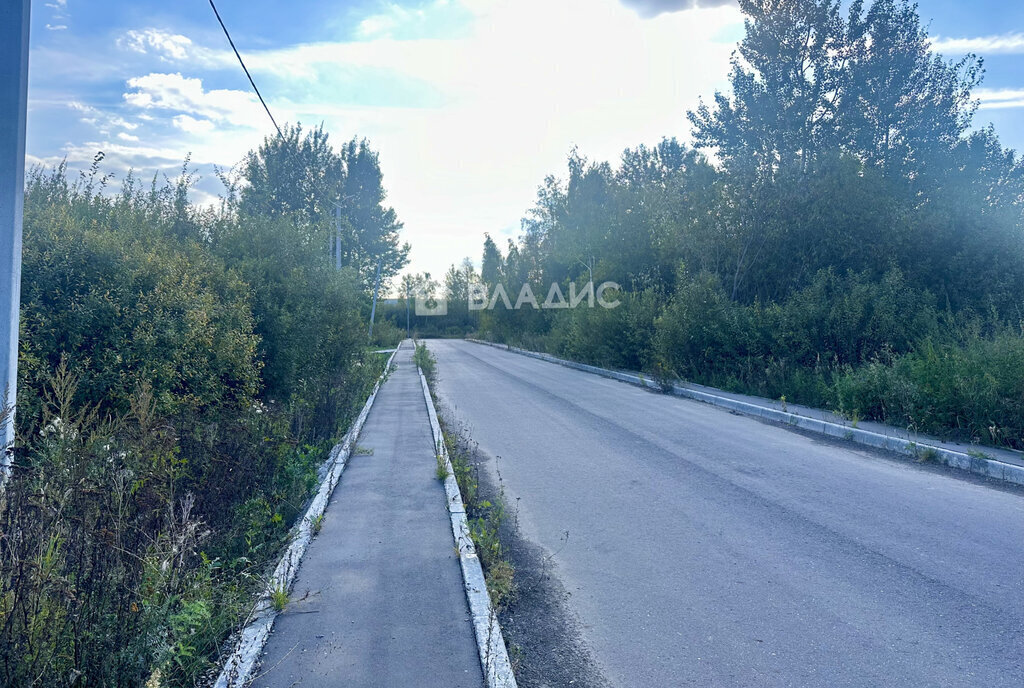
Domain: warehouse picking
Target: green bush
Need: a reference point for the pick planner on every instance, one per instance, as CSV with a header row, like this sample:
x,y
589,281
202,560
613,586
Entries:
x,y
386,333
183,374
307,314
973,392
848,319
127,308
424,359
699,334
617,337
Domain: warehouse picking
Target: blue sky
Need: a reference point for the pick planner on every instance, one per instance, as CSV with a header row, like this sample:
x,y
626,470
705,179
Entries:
x,y
470,102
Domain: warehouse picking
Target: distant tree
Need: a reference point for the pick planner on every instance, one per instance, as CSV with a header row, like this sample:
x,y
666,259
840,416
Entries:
x,y
297,174
457,283
490,266
588,216
419,285
375,226
300,176
458,280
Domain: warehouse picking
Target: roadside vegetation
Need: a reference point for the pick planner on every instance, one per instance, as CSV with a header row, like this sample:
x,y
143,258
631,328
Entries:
x,y
184,371
485,514
841,236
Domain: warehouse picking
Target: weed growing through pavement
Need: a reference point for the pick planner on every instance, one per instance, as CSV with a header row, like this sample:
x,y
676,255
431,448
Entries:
x,y
318,523
441,472
279,597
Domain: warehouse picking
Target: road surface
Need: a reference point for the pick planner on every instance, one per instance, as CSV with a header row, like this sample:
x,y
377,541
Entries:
x,y
711,549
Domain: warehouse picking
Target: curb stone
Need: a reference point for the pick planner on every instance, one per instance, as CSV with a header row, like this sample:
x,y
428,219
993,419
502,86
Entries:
x,y
977,464
238,667
489,639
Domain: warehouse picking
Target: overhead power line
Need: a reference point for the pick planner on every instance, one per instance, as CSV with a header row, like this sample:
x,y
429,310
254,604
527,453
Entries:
x,y
245,69
260,96
336,238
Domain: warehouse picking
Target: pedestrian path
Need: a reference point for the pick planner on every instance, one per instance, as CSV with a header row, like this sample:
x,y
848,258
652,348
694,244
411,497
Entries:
x,y
379,597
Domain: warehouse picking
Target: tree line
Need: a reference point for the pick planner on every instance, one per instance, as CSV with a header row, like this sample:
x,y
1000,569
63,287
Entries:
x,y
837,234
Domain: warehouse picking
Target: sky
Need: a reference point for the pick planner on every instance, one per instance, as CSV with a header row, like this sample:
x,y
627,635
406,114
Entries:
x,y
470,103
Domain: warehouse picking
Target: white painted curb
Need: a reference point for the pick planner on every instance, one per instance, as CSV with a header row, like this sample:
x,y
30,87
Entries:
x,y
489,639
239,666
980,465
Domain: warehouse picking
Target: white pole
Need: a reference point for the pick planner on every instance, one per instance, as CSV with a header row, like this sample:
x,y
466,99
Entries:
x,y
14,16
337,237
376,290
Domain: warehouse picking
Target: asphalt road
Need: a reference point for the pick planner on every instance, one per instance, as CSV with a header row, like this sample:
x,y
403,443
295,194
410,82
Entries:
x,y
711,549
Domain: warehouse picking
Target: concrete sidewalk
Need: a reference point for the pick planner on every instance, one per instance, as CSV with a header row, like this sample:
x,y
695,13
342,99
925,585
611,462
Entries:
x,y
379,597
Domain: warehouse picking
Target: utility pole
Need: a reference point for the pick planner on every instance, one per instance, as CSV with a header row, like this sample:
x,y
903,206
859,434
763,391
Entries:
x,y
337,237
376,290
14,15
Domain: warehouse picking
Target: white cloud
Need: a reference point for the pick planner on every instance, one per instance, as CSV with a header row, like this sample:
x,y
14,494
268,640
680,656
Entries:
x,y
379,25
522,83
217,126
124,156
395,17
128,137
193,125
104,121
168,46
652,8
997,99
530,80
59,14
1007,43
186,95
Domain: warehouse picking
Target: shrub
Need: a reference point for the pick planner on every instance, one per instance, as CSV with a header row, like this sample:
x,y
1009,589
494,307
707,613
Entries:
x,y
424,359
698,333
128,309
386,333
183,375
972,392
617,337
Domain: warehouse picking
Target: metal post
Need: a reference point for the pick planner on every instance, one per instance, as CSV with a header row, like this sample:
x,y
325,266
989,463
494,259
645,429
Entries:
x,y
376,290
14,15
337,237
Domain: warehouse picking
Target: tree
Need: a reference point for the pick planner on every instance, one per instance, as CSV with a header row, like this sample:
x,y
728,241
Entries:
x,y
787,79
296,175
904,108
375,225
491,264
805,80
457,284
301,177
